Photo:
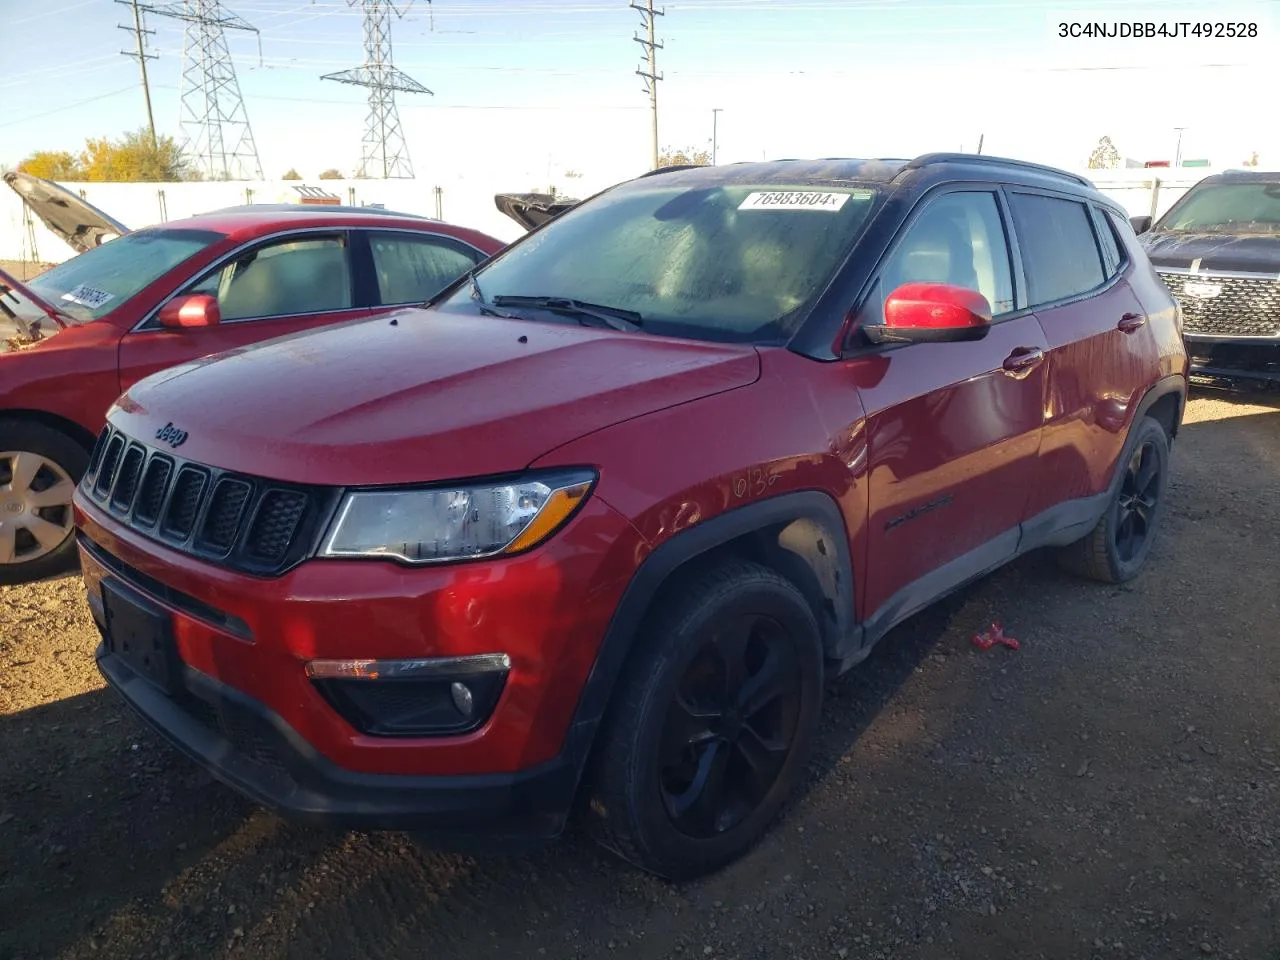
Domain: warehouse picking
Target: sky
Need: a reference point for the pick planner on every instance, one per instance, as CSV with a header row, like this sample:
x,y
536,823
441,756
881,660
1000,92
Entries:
x,y
533,90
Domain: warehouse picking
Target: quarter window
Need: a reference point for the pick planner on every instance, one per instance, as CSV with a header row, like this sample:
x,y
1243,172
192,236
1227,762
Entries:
x,y
1059,250
284,278
413,269
960,240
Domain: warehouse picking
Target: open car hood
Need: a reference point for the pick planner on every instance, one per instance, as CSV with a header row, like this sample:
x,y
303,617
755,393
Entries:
x,y
26,318
533,209
76,221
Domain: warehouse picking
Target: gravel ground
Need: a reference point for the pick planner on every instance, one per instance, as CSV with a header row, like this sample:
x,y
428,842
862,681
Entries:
x,y
1109,790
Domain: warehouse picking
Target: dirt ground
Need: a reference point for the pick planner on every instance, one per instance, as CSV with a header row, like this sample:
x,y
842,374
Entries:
x,y
1110,790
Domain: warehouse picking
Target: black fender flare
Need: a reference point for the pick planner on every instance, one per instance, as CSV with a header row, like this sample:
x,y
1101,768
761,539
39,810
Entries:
x,y
821,545
1174,383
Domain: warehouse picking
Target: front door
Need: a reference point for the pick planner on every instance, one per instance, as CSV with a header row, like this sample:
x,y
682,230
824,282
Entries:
x,y
270,289
953,429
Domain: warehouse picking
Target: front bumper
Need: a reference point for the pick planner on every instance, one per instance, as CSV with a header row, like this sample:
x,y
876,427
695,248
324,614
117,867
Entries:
x,y
1238,365
241,703
252,750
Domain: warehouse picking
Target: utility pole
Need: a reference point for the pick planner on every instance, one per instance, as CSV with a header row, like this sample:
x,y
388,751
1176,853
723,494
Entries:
x,y
714,112
651,76
140,34
1177,154
384,151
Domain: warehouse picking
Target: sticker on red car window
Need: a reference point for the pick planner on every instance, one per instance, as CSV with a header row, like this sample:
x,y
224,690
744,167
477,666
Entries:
x,y
88,296
799,200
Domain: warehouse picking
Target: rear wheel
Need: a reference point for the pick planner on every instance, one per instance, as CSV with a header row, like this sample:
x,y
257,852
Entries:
x,y
711,725
1117,548
39,470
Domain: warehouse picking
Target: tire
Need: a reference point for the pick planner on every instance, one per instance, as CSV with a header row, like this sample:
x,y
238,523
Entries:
x,y
46,464
642,796
1107,553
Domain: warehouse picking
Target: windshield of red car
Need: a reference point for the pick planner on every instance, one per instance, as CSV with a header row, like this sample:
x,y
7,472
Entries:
x,y
730,262
97,281
1228,207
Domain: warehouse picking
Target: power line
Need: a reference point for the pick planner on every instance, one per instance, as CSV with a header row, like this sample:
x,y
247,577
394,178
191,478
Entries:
x,y
383,147
140,33
213,111
651,76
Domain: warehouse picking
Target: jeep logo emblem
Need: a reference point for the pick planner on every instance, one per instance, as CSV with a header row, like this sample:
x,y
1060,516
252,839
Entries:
x,y
171,435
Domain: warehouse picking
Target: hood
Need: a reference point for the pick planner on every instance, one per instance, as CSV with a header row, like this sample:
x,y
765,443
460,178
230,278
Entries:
x,y
421,396
76,221
25,317
1247,253
532,210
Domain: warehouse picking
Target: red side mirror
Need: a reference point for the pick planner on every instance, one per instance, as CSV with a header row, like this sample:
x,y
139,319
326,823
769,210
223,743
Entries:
x,y
197,310
932,313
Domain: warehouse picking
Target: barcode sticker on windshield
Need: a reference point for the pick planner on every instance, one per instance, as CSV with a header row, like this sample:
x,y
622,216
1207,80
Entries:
x,y
794,200
88,296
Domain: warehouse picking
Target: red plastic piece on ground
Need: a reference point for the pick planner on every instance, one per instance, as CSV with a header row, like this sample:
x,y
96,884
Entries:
x,y
985,641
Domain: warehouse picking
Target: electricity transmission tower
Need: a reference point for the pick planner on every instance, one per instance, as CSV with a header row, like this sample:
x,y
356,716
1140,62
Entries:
x,y
140,34
384,152
214,123
651,76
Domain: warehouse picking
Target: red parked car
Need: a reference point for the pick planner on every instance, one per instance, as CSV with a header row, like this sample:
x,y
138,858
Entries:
x,y
597,522
76,336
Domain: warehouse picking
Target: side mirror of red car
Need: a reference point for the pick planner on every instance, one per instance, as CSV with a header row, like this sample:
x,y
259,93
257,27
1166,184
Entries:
x,y
196,310
932,313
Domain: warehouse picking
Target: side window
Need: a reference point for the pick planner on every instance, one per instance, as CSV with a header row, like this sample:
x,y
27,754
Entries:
x,y
1112,257
1059,250
959,239
412,269
283,278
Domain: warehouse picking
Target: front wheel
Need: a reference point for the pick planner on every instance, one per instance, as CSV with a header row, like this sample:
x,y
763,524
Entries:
x,y
1117,548
711,724
39,470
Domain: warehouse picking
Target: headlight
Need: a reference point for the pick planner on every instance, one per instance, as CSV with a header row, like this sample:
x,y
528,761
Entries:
x,y
438,524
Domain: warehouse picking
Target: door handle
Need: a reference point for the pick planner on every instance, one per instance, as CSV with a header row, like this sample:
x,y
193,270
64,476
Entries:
x,y
1022,361
1131,322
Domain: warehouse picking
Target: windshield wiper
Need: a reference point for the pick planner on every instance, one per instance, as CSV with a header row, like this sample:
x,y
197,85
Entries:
x,y
614,317
483,305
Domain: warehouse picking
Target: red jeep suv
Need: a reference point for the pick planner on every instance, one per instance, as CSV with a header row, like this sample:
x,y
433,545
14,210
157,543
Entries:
x,y
595,523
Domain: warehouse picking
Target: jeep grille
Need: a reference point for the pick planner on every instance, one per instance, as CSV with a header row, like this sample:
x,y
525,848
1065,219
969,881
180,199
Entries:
x,y
230,519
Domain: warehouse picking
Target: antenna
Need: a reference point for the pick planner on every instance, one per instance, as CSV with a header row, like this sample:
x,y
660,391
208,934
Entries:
x,y
384,152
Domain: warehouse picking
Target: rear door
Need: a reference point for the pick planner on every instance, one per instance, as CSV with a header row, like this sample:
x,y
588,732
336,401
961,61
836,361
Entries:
x,y
953,428
1101,348
412,266
266,289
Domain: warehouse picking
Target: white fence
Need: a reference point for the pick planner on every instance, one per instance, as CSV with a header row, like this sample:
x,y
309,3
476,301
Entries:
x,y
461,201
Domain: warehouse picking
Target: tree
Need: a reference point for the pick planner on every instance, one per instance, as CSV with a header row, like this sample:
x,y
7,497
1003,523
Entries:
x,y
52,165
134,158
1253,159
333,173
1105,156
675,158
291,174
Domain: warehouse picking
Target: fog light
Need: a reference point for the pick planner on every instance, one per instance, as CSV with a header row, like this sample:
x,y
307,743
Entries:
x,y
442,696
462,698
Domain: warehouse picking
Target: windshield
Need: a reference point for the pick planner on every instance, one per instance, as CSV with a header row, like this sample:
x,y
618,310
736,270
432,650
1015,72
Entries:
x,y
726,263
97,281
1228,207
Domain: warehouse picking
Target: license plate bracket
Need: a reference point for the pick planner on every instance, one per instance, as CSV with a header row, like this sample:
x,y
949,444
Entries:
x,y
140,633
